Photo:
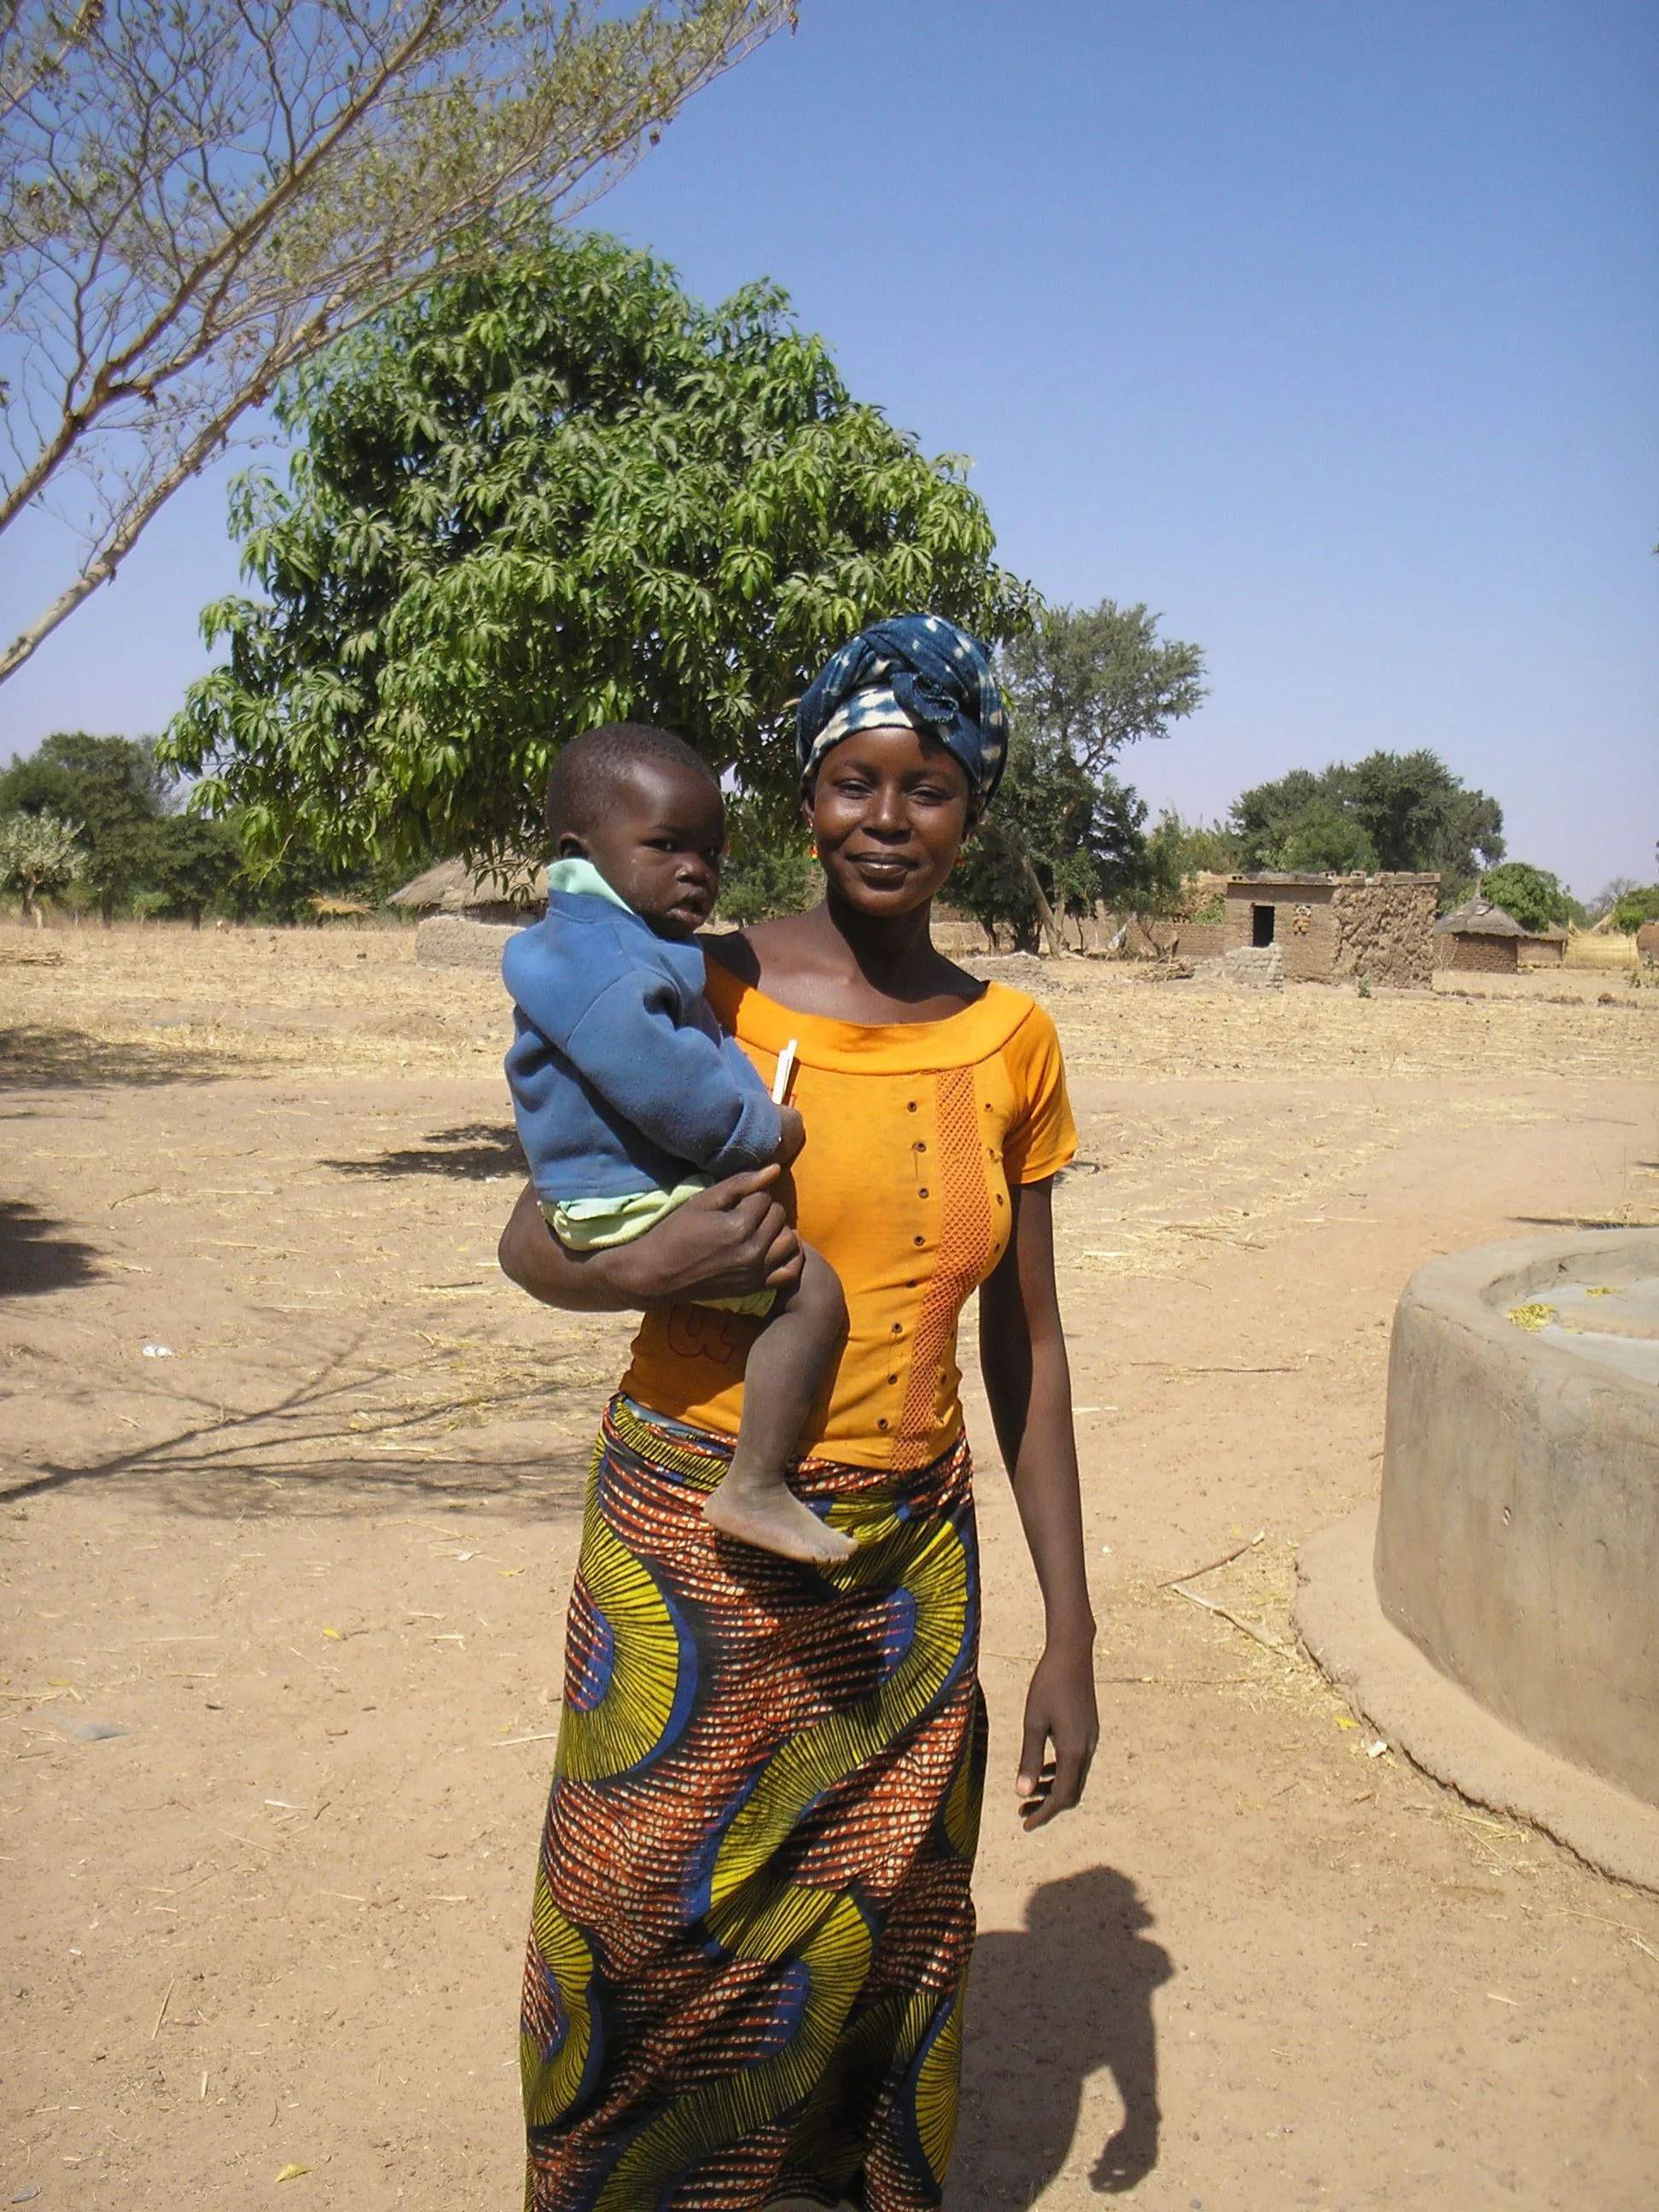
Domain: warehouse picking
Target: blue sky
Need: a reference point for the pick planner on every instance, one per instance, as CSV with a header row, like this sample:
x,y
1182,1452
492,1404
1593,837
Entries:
x,y
1329,332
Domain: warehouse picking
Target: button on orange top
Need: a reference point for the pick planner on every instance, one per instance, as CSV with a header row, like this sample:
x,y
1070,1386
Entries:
x,y
989,1088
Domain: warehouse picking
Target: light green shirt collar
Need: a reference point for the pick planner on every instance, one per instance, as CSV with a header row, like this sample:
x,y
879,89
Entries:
x,y
580,878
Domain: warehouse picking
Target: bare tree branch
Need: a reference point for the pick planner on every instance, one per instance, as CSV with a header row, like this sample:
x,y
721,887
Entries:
x,y
193,200
35,44
121,538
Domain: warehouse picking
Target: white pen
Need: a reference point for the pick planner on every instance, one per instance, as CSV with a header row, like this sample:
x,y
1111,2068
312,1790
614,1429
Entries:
x,y
786,1069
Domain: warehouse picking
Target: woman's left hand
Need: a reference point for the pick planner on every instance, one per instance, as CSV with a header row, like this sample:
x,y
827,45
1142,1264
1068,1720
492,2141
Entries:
x,y
1022,1349
1060,1712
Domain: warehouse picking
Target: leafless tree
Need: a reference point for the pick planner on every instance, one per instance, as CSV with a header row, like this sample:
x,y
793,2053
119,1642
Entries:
x,y
198,195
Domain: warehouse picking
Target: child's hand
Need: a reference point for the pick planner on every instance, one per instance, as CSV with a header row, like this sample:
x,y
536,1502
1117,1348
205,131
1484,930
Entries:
x,y
795,1135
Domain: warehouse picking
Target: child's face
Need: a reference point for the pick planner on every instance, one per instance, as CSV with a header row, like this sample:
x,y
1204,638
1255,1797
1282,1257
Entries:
x,y
658,844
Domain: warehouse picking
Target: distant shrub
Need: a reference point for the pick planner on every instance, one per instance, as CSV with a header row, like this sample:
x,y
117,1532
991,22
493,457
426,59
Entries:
x,y
40,853
1530,896
768,869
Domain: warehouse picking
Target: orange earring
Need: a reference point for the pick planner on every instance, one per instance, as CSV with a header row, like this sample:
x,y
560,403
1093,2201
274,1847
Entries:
x,y
812,849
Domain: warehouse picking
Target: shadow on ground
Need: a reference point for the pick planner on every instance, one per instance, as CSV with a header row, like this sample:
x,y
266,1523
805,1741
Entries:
x,y
71,1059
1573,1221
1049,2005
325,1447
471,1153
36,1257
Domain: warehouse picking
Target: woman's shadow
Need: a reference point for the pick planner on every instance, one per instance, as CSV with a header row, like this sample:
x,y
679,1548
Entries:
x,y
1047,2007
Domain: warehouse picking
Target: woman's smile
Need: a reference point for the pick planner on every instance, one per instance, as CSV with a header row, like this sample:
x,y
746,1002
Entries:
x,y
887,812
883,868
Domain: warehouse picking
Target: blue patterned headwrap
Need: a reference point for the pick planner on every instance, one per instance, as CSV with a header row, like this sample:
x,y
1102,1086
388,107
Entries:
x,y
918,668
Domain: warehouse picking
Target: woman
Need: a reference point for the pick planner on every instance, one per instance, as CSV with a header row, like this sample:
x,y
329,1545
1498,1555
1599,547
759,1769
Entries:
x,y
752,1918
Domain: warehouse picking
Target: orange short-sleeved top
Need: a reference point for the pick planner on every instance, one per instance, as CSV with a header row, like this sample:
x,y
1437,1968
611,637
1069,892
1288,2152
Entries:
x,y
914,1131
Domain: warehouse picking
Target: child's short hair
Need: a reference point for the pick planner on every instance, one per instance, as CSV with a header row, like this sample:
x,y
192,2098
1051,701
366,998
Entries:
x,y
588,769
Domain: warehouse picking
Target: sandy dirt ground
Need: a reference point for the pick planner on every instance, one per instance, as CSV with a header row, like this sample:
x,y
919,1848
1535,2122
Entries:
x,y
289,1480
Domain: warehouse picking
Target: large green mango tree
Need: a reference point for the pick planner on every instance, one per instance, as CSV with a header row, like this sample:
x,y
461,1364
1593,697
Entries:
x,y
558,493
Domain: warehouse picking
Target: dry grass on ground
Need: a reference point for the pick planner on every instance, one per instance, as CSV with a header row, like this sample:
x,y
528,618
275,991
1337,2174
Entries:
x,y
306,1557
162,1004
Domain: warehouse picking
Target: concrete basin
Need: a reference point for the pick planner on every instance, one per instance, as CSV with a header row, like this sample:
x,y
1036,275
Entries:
x,y
1502,1623
1517,1544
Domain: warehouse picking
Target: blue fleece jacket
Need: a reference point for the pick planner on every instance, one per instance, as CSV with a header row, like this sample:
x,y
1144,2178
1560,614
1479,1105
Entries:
x,y
622,1078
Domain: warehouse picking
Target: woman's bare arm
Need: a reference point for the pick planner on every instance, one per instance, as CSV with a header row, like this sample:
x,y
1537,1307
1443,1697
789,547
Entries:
x,y
727,1242
1028,1381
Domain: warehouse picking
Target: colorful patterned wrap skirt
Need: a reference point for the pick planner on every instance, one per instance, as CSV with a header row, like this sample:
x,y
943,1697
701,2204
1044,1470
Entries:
x,y
752,1920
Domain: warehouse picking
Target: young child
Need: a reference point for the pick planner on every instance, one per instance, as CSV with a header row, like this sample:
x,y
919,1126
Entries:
x,y
629,1097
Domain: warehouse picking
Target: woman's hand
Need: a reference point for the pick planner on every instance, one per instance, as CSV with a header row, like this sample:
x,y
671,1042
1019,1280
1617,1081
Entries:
x,y
1023,1355
727,1242
1059,1711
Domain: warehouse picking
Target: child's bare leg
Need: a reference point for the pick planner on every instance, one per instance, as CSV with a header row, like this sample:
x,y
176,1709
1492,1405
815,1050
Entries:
x,y
786,1364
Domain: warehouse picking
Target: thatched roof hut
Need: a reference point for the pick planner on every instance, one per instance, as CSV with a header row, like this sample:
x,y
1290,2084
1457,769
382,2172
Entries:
x,y
1477,917
518,894
1481,936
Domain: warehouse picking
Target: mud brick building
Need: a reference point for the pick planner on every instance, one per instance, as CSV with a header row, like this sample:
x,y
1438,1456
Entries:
x,y
1330,929
1543,948
1481,938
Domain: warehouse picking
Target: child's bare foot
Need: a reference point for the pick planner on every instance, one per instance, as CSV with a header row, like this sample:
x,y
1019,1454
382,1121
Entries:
x,y
772,1517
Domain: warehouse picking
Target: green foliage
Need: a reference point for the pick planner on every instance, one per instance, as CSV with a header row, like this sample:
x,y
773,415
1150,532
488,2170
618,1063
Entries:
x,y
117,780
768,866
111,786
38,787
1195,847
1030,856
1057,840
119,793
1063,831
290,888
40,853
1261,817
1095,679
1176,852
556,494
1420,815
1323,838
194,867
1634,907
1396,812
1530,896
138,854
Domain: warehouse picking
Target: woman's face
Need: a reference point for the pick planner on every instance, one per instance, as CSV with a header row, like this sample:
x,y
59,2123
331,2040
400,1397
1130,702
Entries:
x,y
889,812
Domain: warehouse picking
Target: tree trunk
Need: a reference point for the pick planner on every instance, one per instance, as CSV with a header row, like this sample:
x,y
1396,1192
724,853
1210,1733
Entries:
x,y
1045,912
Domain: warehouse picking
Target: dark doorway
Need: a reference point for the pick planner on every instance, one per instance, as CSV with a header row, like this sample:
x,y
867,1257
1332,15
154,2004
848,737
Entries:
x,y
1261,924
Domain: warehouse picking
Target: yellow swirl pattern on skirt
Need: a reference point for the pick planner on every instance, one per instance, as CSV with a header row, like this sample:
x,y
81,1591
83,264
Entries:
x,y
752,1920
